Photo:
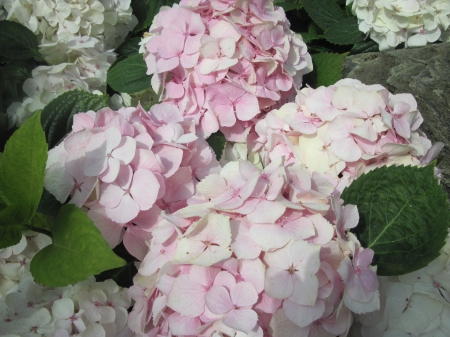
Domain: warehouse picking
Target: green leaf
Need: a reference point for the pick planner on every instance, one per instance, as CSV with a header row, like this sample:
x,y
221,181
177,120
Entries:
x,y
327,69
324,13
217,141
289,5
57,116
312,34
15,73
10,230
17,42
78,251
344,32
364,47
145,10
129,75
129,47
41,221
23,166
404,216
123,275
48,204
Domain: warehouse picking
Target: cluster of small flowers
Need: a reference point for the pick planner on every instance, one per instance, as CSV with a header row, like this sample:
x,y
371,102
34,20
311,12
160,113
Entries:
x,y
15,260
76,38
344,130
85,71
413,22
222,61
415,304
58,21
86,309
255,253
128,165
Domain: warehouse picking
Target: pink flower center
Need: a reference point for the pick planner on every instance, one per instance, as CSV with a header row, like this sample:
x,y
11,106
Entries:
x,y
34,329
358,270
30,304
96,304
73,318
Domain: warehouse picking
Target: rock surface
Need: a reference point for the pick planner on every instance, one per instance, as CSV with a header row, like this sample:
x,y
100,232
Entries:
x,y
423,72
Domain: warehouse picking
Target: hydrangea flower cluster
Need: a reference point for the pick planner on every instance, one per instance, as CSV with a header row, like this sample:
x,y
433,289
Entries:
x,y
221,62
415,304
86,309
413,22
76,39
344,130
58,22
255,253
15,260
86,71
128,165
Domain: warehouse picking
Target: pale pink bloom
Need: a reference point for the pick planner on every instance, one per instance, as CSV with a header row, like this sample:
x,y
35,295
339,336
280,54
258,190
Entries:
x,y
347,217
129,194
159,254
206,242
229,102
358,276
217,55
242,244
234,302
343,144
187,295
106,152
291,272
319,103
63,311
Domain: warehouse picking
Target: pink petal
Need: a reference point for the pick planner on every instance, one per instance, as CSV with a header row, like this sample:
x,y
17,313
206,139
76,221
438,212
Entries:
x,y
244,294
241,319
144,188
183,325
111,231
125,151
346,149
186,297
278,283
170,158
111,172
111,195
303,315
126,211
218,300
269,237
247,107
135,240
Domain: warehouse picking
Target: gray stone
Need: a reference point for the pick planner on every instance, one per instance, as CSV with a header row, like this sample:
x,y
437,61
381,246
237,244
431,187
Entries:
x,y
423,72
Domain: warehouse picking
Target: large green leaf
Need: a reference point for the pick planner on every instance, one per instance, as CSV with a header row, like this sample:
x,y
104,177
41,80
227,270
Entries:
x,y
404,216
327,69
344,32
129,75
17,42
10,230
57,116
288,5
22,168
364,47
78,251
129,47
48,204
145,10
325,13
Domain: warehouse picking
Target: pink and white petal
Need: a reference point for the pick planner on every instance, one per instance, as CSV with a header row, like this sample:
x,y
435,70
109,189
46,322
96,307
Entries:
x,y
111,231
211,255
278,283
58,182
111,195
179,186
244,294
225,115
244,320
186,297
267,212
111,172
306,287
183,325
164,65
170,158
269,237
94,330
324,231
208,65
253,271
346,149
282,326
247,107
303,315
126,211
300,229
135,241
125,151
218,300
144,189
242,244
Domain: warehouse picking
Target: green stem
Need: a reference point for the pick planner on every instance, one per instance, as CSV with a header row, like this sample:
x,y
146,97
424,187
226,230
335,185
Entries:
x,y
39,230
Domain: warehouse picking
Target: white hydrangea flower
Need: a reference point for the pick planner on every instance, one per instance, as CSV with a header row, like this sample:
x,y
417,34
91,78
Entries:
x,y
413,22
